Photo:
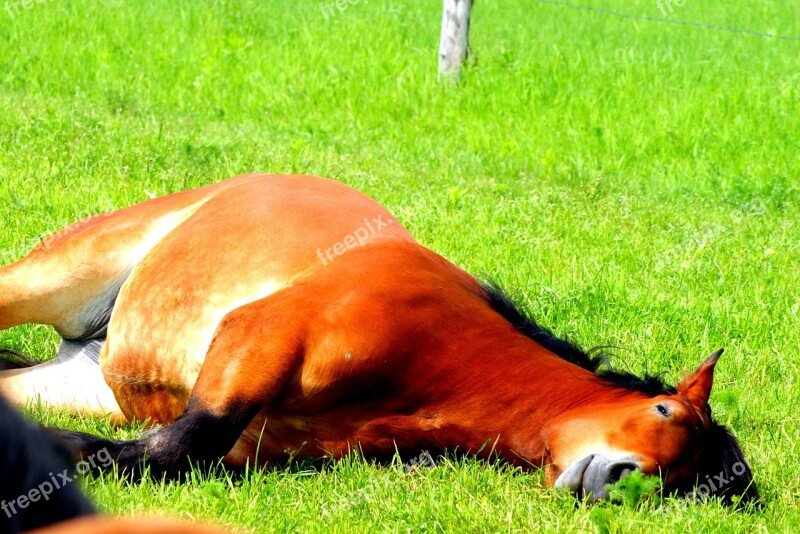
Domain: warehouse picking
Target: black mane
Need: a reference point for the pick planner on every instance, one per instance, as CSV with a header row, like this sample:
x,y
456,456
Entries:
x,y
724,472
564,349
722,457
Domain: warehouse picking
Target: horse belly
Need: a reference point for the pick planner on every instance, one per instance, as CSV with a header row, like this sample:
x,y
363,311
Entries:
x,y
239,247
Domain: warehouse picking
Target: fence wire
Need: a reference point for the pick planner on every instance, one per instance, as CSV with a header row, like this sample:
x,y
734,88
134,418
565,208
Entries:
x,y
667,20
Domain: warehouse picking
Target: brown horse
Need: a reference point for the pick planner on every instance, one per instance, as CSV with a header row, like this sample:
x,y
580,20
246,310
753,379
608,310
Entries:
x,y
266,317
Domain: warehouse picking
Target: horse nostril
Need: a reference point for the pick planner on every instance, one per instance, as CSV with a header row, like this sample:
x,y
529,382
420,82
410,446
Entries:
x,y
620,471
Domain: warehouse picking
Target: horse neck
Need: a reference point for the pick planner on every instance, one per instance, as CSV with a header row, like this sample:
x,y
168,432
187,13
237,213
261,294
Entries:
x,y
509,388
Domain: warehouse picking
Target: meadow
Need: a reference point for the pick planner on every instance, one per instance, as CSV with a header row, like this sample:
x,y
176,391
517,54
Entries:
x,y
634,184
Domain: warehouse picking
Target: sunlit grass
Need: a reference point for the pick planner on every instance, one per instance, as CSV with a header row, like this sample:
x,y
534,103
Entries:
x,y
633,184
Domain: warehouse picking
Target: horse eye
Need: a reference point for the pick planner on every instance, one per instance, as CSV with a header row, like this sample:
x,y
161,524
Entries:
x,y
662,410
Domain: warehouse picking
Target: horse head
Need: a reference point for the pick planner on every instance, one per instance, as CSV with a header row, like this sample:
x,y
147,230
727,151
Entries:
x,y
669,433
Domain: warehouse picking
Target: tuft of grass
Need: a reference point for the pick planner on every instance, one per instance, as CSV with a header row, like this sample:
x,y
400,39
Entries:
x,y
634,489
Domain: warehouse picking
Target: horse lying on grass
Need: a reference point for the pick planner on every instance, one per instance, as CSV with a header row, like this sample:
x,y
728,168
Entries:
x,y
266,317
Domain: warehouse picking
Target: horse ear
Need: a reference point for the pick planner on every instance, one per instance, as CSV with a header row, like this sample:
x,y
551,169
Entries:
x,y
697,386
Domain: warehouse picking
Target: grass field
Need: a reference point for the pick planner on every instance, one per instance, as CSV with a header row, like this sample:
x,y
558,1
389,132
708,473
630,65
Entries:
x,y
634,184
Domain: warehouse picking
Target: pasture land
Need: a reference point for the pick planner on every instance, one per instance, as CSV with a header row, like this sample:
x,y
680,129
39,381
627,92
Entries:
x,y
635,184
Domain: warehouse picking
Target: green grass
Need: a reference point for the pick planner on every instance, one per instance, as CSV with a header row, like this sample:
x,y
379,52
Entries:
x,y
635,184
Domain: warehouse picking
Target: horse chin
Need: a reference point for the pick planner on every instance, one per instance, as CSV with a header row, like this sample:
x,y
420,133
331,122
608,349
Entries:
x,y
587,477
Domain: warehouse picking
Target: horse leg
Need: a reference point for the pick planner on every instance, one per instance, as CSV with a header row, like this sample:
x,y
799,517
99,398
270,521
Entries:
x,y
54,285
71,282
53,383
57,284
253,355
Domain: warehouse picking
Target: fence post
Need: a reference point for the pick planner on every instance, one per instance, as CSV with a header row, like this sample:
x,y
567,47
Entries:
x,y
454,43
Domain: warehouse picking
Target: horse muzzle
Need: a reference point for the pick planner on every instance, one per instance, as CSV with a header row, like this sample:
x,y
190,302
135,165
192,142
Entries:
x,y
587,477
